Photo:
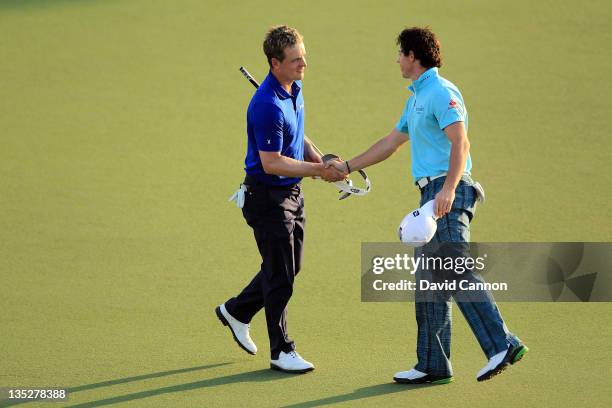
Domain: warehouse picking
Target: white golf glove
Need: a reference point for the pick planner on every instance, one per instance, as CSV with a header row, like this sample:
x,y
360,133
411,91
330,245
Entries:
x,y
238,196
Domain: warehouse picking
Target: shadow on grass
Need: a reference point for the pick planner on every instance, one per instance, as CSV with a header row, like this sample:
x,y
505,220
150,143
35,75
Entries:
x,y
360,393
109,383
251,376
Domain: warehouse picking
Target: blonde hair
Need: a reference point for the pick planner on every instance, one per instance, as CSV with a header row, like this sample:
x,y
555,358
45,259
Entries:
x,y
277,39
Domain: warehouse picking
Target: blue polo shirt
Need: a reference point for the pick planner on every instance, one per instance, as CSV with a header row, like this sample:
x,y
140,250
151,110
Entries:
x,y
275,123
435,103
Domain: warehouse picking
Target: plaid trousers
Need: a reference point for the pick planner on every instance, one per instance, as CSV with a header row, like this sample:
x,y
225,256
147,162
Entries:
x,y
433,309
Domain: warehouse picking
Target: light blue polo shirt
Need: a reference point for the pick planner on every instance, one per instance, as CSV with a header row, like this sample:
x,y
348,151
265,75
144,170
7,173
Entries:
x,y
435,103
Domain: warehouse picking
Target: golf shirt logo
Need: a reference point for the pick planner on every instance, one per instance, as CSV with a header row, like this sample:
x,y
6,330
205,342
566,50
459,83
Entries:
x,y
454,105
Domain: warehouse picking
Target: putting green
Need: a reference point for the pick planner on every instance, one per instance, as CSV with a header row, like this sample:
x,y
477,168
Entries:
x,y
122,136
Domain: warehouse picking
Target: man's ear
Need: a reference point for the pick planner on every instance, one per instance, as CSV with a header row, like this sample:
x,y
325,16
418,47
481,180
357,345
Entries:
x,y
274,63
411,55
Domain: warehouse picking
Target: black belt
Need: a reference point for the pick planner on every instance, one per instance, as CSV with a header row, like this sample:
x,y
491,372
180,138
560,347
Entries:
x,y
252,181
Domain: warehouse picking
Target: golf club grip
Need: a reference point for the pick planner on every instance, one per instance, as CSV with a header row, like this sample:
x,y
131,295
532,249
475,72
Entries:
x,y
248,76
252,80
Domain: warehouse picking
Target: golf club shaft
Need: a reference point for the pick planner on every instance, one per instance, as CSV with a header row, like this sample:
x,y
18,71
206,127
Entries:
x,y
252,80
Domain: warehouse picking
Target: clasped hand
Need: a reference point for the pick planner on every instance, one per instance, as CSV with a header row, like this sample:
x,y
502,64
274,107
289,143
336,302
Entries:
x,y
334,170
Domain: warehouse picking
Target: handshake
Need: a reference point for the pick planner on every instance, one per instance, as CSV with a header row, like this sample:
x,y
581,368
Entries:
x,y
334,168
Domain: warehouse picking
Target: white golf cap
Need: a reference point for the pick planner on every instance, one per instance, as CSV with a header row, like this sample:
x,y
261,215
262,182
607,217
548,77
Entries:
x,y
418,227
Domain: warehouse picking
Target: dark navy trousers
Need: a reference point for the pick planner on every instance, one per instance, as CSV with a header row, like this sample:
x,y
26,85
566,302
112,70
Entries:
x,y
276,215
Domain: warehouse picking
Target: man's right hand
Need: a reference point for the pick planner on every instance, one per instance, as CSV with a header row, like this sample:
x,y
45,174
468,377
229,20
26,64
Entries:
x,y
331,173
338,164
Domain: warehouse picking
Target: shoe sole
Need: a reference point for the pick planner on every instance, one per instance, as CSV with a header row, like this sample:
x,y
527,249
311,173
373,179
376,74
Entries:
x,y
520,353
413,382
226,323
302,371
497,370
444,381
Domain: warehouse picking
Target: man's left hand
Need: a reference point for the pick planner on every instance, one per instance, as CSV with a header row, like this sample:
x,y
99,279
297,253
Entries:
x,y
444,201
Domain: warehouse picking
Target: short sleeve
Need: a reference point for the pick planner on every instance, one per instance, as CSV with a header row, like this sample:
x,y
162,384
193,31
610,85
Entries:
x,y
268,127
448,109
402,124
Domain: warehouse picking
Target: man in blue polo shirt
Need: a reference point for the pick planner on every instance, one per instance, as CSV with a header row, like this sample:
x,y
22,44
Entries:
x,y
277,158
436,121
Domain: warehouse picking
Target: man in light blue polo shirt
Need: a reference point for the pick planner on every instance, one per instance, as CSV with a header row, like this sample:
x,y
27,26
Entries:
x,y
435,120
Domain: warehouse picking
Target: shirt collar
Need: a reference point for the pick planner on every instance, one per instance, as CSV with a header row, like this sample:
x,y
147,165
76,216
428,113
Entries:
x,y
280,91
423,80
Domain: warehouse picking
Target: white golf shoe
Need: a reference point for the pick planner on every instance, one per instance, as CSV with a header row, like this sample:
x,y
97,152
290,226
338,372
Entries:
x,y
414,376
240,331
501,361
291,362
495,366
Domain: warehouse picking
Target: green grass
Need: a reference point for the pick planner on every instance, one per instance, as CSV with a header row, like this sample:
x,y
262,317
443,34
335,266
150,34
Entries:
x,y
122,135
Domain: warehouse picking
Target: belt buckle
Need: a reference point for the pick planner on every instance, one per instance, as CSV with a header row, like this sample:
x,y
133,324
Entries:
x,y
422,182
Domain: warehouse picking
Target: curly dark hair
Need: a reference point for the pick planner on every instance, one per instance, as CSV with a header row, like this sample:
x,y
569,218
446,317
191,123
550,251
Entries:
x,y
277,39
423,43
